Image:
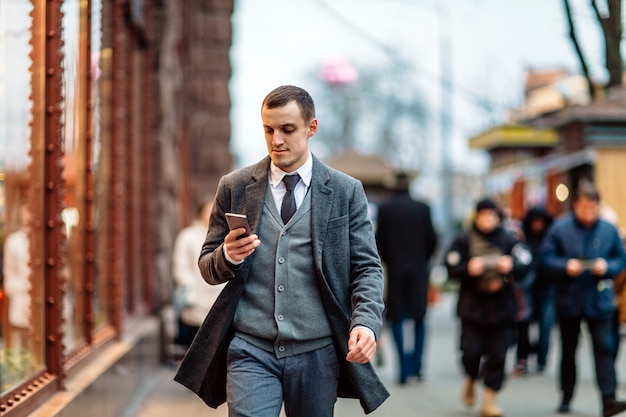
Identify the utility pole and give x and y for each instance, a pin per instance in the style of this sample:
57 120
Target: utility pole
445 117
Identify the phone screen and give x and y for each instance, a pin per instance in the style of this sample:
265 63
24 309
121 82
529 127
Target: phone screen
236 221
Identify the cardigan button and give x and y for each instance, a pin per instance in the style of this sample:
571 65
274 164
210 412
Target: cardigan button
281 288
281 260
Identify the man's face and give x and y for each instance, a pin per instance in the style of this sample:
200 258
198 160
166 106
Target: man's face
287 135
587 211
537 225
486 220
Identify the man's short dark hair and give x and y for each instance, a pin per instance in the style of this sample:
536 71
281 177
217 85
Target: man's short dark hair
587 189
283 95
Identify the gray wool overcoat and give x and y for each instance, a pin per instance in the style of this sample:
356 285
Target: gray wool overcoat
347 267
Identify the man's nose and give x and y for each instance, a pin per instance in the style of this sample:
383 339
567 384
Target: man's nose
277 138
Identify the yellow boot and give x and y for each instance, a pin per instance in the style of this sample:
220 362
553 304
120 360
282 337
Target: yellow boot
468 397
489 408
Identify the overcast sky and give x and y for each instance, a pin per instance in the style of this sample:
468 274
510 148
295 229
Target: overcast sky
491 43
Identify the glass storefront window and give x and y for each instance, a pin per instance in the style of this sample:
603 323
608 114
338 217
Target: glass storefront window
21 193
74 117
100 77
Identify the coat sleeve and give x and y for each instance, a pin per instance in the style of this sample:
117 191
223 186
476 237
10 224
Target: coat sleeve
457 257
214 266
617 258
522 259
366 275
550 257
431 234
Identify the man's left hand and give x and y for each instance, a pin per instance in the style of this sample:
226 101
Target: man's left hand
599 267
361 345
504 264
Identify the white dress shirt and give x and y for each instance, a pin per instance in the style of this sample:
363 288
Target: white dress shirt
277 185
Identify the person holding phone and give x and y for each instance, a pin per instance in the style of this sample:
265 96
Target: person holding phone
584 253
296 324
487 259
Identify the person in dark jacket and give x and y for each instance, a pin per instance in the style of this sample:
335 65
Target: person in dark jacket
585 253
486 259
406 241
538 289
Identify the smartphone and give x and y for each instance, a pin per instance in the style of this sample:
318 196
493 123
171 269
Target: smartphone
236 221
491 260
587 264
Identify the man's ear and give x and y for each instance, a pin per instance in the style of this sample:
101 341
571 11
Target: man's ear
312 127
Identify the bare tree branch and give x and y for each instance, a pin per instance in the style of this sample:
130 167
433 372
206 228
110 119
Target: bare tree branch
612 30
579 52
596 10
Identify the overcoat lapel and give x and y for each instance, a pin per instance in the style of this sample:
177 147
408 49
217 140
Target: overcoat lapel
321 202
255 193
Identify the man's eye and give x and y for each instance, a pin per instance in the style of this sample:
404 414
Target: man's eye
289 130
269 131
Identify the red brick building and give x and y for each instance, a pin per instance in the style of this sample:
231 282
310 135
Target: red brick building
114 123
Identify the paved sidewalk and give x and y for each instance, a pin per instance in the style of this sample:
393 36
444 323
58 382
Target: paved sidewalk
437 395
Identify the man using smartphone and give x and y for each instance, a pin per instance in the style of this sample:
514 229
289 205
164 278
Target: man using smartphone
297 322
585 253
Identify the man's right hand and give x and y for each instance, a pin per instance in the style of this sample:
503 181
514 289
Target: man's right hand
574 268
240 249
476 266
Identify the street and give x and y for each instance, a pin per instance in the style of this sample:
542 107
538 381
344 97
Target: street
437 394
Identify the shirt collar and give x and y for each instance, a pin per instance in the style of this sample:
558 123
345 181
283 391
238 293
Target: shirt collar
305 172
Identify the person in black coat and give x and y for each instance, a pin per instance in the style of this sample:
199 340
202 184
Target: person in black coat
487 260
406 241
538 288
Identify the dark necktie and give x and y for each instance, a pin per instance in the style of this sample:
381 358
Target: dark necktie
289 200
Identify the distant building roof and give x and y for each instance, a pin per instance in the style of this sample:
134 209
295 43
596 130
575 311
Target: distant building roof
505 136
369 169
611 108
536 79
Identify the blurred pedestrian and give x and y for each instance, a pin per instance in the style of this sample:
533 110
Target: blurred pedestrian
296 325
585 253
17 284
538 289
486 259
406 241
193 298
